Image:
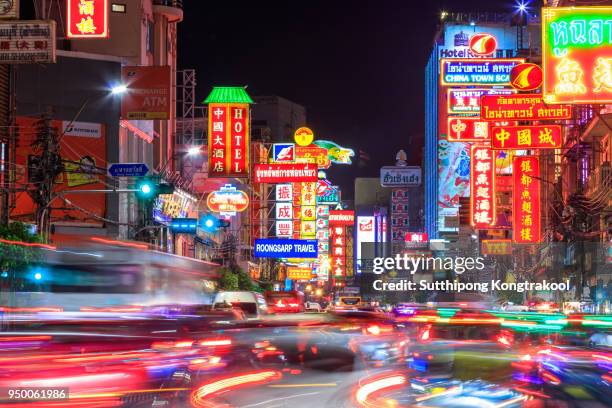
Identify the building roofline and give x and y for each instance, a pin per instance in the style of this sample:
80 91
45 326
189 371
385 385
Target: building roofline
91 56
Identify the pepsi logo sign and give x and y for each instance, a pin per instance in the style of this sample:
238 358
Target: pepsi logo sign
483 44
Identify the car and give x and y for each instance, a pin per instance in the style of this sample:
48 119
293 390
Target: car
312 307
253 304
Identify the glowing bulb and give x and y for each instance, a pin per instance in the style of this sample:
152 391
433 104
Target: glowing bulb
119 89
193 151
37 276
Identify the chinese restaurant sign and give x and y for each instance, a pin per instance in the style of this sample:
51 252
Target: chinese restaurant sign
467 100
577 54
27 42
482 187
227 200
467 130
521 107
526 200
526 137
87 19
496 247
337 236
477 71
228 140
283 173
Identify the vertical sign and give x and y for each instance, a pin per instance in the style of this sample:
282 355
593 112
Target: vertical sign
87 19
308 202
526 199
482 187
337 236
228 139
284 210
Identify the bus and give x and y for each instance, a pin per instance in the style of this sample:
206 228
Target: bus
285 302
106 278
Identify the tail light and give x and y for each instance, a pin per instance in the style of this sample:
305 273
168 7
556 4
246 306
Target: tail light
426 334
215 343
376 329
201 396
172 344
367 389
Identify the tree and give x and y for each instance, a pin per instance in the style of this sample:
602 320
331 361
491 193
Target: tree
228 280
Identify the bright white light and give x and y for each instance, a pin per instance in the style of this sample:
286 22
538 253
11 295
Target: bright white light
522 7
472 23
37 276
119 89
145 189
209 223
193 151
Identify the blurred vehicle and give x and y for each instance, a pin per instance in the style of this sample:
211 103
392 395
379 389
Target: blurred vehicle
511 307
285 302
406 309
99 276
253 304
313 307
601 340
346 302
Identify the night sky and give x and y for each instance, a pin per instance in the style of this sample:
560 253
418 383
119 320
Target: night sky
357 66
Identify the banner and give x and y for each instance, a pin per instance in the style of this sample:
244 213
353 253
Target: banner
482 186
526 200
526 137
228 139
87 19
148 93
284 173
27 42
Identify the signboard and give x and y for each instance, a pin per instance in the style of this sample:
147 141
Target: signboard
365 233
415 240
184 225
228 139
128 169
284 211
298 273
27 42
336 153
283 173
87 19
526 200
81 129
284 228
466 101
284 192
477 71
303 136
227 200
496 247
400 176
526 137
285 248
326 193
341 217
337 237
483 44
577 54
521 107
456 39
313 154
482 187
467 130
526 77
9 10
148 93
283 152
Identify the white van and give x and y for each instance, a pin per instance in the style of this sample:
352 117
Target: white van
253 304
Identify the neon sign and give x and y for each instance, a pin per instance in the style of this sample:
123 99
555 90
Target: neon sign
478 71
577 54
526 200
526 137
521 107
483 44
482 187
87 19
526 77
336 153
467 130
227 200
467 100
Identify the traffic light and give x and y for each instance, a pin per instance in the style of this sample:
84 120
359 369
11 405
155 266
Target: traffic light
148 189
210 223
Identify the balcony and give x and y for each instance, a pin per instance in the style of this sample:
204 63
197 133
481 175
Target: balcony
600 182
172 9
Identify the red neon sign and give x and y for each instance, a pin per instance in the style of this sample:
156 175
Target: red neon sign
228 140
337 237
283 173
526 137
483 44
526 77
526 200
467 130
341 217
521 107
87 18
482 187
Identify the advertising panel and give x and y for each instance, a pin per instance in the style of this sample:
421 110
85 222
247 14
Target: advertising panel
453 173
400 176
283 153
284 211
521 107
84 169
526 137
27 42
365 233
526 77
477 71
482 180
228 200
458 38
341 217
466 101
312 154
303 136
337 237
179 204
285 248
415 240
526 200
336 153
283 173
228 139
577 54
148 93
299 273
87 19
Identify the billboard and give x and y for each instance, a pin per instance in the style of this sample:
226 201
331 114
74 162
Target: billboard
526 137
453 173
477 71
283 173
526 200
87 19
337 238
284 192
482 186
283 153
9 10
577 54
148 93
312 154
521 107
84 169
228 139
365 233
285 248
27 42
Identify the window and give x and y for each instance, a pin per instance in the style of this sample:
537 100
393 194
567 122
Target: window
118 8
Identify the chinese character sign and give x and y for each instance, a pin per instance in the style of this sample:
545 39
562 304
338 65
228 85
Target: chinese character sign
228 140
337 237
526 137
482 187
526 199
463 129
577 54
87 19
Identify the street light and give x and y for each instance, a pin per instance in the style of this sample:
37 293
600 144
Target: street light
193 151
119 89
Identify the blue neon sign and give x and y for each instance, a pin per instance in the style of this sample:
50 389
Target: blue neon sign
477 71
285 248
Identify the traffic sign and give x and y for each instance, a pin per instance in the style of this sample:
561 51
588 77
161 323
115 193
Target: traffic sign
128 169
